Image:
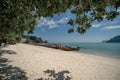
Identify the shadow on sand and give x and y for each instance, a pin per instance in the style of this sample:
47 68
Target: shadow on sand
52 75
8 72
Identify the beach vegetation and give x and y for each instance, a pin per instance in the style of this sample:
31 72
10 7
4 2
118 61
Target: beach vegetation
18 16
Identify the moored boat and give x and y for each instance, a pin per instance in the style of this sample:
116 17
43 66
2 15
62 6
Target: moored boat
66 48
45 45
55 46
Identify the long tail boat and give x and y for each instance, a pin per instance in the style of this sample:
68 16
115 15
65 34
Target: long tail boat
55 46
66 48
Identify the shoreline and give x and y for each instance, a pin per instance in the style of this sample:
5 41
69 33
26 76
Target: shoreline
98 54
39 62
101 49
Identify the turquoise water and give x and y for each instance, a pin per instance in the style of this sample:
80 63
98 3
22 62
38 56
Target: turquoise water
102 49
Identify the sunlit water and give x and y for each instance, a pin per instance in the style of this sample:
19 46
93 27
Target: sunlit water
102 49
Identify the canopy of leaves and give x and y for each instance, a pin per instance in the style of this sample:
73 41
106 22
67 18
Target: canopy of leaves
17 16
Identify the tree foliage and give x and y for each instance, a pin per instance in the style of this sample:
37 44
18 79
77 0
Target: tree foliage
17 16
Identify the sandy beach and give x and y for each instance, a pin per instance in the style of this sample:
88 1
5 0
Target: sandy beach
53 64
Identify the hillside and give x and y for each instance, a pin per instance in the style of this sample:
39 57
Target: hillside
33 39
115 39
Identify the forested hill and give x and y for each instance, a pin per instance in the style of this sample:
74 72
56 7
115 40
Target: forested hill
115 39
33 39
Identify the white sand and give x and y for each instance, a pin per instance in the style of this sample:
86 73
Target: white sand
34 60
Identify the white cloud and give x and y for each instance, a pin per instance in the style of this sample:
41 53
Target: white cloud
96 25
50 23
118 10
111 27
106 23
103 24
63 20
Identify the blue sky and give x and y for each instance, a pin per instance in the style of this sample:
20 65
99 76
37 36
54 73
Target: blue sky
55 29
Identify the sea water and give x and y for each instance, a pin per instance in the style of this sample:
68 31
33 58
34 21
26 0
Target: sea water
102 49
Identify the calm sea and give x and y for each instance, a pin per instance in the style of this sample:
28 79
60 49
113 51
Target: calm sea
102 49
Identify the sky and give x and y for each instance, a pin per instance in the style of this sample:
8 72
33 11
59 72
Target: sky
55 29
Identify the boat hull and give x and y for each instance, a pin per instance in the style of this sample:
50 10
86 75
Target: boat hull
68 48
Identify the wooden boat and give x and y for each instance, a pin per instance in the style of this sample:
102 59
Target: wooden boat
54 46
66 48
45 45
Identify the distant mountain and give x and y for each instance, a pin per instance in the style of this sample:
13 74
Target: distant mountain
115 39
